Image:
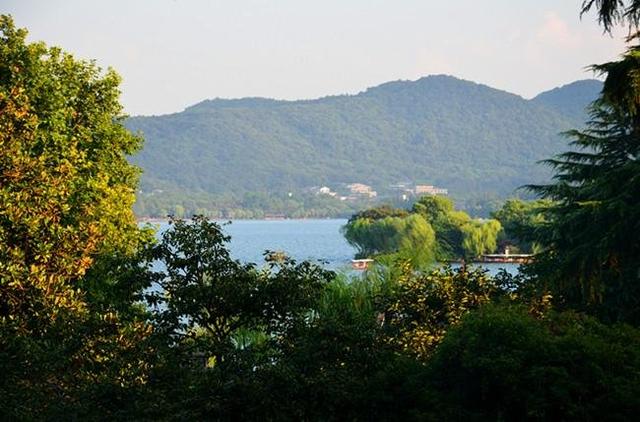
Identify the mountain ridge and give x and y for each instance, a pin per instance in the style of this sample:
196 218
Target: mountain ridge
461 135
241 101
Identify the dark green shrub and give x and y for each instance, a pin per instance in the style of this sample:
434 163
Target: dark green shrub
502 364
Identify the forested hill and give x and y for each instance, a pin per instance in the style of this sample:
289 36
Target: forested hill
469 138
570 99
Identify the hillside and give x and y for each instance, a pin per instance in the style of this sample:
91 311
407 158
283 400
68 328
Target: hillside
469 138
572 98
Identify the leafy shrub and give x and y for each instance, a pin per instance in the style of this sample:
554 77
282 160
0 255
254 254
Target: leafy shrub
500 363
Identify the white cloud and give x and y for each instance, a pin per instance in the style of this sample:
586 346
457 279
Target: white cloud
555 31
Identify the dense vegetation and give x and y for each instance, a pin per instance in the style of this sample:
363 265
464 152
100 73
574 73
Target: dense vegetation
431 230
99 322
479 142
591 227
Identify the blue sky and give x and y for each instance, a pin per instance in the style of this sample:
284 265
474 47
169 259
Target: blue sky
173 53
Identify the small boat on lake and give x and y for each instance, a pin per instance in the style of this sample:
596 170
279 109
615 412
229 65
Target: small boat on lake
361 264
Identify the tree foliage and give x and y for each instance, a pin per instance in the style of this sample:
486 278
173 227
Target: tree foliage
410 237
458 235
520 221
500 363
66 191
480 237
433 229
208 301
66 188
596 194
420 308
612 12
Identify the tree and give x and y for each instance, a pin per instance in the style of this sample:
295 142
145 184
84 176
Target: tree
208 301
222 325
66 191
66 188
519 220
418 309
446 222
378 213
612 12
480 237
591 226
409 237
500 363
592 253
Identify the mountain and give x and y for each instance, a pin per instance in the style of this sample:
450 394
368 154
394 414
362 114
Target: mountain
469 138
571 99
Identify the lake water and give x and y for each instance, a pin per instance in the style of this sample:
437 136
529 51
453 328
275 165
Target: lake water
313 240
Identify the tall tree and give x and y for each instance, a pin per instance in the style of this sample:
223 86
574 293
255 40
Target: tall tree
592 226
590 232
66 195
66 188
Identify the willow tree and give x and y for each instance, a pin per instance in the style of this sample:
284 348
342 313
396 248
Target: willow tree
480 237
410 237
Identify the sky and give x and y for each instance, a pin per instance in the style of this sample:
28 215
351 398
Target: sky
175 53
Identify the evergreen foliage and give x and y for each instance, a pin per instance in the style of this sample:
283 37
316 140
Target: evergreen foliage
590 228
612 12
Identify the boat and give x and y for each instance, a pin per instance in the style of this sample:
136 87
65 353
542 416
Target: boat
361 264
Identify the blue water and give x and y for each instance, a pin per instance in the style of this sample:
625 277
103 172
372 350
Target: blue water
313 240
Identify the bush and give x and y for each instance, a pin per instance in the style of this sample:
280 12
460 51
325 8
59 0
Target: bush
502 364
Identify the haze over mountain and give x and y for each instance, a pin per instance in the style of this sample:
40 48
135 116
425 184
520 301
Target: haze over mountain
470 138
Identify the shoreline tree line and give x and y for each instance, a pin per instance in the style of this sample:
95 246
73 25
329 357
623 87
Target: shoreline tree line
434 231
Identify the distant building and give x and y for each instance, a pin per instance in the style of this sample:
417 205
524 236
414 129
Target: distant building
361 190
429 190
325 190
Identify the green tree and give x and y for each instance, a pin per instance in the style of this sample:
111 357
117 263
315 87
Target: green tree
591 262
208 299
66 191
519 220
223 327
378 213
66 188
418 309
480 237
500 363
597 204
409 237
448 223
612 12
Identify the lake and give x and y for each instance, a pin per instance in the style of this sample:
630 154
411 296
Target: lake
313 240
